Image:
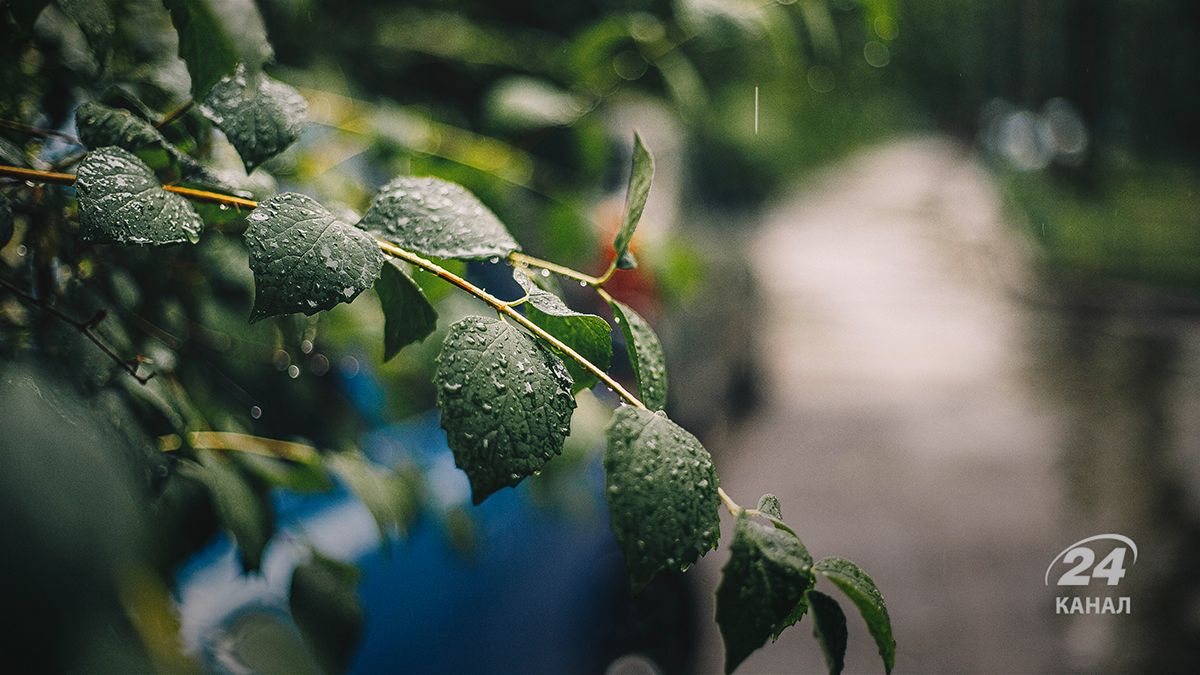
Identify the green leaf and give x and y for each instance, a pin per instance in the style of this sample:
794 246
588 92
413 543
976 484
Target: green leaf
587 334
662 493
6 220
100 126
244 510
762 588
260 116
304 259
204 44
640 177
505 400
390 497
120 200
646 355
768 504
861 589
324 603
829 628
408 316
437 218
295 476
95 19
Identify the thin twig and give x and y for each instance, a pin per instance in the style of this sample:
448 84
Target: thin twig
390 249
518 257
35 131
87 328
176 113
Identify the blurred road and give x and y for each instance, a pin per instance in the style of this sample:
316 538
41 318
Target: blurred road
912 422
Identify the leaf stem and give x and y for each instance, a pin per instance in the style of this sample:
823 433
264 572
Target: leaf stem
518 257
87 328
390 249
507 310
230 441
35 131
176 113
730 505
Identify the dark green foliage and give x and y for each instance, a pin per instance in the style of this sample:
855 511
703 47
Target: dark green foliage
390 496
505 400
640 178
121 201
100 126
260 116
646 355
244 507
437 218
829 629
305 259
862 591
662 493
204 44
408 316
6 220
325 606
587 334
95 19
762 587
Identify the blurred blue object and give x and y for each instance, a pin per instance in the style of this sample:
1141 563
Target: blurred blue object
537 595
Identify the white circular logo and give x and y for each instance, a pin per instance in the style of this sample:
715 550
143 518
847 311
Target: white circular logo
1082 560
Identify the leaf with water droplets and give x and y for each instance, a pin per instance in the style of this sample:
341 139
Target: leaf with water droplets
505 400
120 200
408 316
768 505
862 591
260 116
640 178
662 493
437 218
305 259
646 355
762 588
829 628
100 126
587 334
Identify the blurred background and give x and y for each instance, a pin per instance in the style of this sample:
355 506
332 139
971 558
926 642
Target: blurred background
928 271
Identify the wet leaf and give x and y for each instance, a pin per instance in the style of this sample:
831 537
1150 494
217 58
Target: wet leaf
768 504
862 591
662 493
100 126
762 588
324 602
640 178
390 496
305 259
437 218
408 316
646 355
260 116
505 400
829 628
244 509
587 334
120 200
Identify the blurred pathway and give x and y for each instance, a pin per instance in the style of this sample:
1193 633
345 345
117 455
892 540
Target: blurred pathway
899 429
